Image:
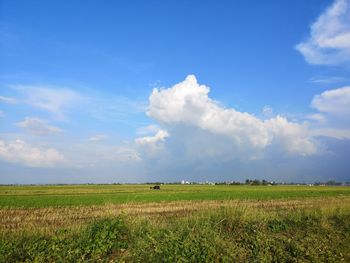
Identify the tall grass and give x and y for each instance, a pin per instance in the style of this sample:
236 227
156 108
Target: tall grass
239 232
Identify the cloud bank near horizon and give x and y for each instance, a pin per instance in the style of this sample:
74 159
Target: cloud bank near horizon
191 134
195 132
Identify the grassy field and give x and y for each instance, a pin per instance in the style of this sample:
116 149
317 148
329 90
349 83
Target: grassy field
79 195
179 223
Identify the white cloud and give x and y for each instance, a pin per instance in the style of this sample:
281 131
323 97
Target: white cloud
38 127
20 152
53 100
335 101
320 118
160 136
267 111
8 100
293 137
329 41
187 103
98 138
151 146
149 129
2 114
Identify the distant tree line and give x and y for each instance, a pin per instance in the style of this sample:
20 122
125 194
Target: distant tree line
247 182
331 182
258 182
228 183
265 182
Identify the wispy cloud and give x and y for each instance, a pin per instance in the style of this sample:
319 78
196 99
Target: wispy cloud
2 114
125 154
38 126
120 109
340 134
8 100
327 80
329 41
149 129
267 111
52 99
98 138
320 118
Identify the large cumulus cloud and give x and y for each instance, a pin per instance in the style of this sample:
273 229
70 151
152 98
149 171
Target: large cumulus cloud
187 104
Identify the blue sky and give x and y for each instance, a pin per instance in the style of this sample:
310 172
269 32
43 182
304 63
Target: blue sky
132 91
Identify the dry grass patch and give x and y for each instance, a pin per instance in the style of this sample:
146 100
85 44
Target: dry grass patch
49 219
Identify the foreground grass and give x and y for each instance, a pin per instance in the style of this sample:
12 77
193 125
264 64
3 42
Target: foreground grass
303 230
88 195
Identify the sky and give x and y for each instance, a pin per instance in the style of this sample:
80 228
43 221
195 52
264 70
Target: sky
144 91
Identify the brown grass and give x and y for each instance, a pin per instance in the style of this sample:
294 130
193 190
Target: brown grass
49 219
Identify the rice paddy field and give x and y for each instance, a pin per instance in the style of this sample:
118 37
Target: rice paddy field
178 223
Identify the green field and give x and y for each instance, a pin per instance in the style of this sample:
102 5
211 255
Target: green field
179 223
77 195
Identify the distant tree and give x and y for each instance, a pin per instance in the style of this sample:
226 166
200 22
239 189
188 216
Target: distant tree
256 182
333 182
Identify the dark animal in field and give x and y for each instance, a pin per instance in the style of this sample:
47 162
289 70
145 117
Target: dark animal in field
156 187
